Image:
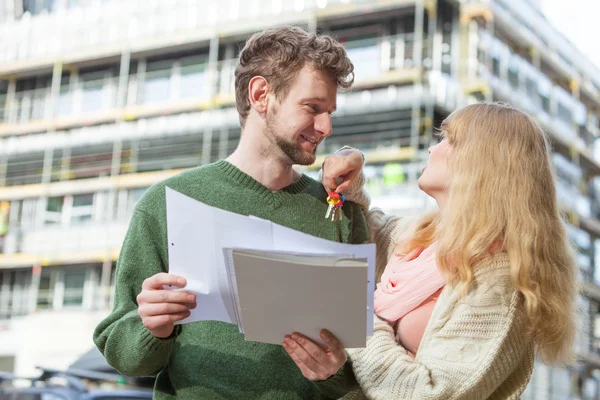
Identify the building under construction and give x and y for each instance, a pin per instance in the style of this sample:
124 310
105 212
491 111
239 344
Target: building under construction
100 99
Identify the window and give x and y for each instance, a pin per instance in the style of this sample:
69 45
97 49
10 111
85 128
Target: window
64 103
3 92
530 87
136 195
157 83
545 103
513 73
365 56
91 161
193 78
70 210
68 286
31 96
35 7
82 209
544 90
564 113
46 288
14 292
74 280
496 65
92 93
54 208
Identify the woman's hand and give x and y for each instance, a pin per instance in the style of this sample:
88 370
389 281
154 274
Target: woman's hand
316 363
340 169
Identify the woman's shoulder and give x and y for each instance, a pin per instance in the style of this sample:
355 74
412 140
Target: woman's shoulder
497 264
377 220
492 283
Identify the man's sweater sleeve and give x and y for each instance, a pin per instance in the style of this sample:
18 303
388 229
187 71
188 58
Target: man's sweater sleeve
121 337
473 348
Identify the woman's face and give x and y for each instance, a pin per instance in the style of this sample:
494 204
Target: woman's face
435 176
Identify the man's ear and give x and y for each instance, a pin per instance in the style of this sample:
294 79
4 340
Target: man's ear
258 91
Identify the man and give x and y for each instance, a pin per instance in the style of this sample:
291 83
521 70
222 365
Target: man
286 83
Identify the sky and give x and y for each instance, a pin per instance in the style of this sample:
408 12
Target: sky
579 21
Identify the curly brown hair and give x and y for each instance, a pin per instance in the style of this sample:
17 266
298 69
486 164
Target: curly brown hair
278 54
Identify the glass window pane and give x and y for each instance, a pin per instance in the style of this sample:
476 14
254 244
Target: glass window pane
513 73
45 290
564 113
92 92
37 6
55 204
83 200
64 102
157 83
82 209
364 54
193 78
74 281
54 208
80 219
3 92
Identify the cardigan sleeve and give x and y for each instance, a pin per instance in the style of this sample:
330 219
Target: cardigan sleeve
468 351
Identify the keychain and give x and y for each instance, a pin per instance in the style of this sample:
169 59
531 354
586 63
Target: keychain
335 201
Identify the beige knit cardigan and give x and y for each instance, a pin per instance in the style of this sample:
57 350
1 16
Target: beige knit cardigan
474 347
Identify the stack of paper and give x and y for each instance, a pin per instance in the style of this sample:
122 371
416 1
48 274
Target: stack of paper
249 272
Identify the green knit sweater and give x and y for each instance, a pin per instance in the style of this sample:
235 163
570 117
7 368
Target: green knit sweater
208 359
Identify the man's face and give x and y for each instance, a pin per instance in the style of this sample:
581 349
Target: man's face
301 121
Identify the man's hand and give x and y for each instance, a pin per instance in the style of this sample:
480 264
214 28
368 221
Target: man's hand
160 308
316 363
340 169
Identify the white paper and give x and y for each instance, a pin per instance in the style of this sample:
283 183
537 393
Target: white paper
198 234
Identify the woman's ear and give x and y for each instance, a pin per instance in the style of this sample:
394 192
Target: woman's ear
258 90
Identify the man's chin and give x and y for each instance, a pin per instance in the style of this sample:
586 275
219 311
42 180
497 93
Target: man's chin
305 159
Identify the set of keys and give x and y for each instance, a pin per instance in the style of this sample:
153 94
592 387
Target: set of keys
335 201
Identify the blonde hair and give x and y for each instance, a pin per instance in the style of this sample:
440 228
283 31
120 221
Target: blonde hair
502 192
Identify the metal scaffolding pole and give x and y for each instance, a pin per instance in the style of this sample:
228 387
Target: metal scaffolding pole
116 161
223 142
65 164
207 146
9 105
123 79
105 283
121 98
418 84
40 215
435 53
213 59
57 70
419 30
3 170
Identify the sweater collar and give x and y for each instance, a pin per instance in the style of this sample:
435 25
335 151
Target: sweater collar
244 179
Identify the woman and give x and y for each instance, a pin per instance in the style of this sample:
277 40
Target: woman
509 286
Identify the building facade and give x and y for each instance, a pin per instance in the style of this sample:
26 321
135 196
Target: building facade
99 99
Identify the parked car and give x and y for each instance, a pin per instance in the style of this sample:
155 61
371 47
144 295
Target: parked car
59 385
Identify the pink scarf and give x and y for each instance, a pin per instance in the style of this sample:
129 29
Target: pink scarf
407 282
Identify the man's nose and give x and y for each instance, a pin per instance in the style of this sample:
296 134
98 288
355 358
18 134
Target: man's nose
323 124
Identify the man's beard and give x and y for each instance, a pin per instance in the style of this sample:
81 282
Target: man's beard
290 148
